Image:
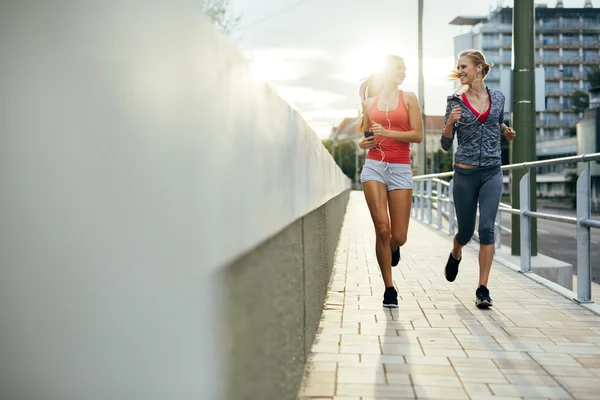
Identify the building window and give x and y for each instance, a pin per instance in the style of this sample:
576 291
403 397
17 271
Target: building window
552 71
552 88
570 71
550 40
550 119
590 40
552 103
591 55
550 56
569 40
570 55
569 87
590 21
570 22
567 103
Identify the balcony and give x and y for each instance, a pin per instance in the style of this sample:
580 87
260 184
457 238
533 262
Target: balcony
590 25
572 77
547 122
568 91
590 43
491 44
494 58
556 146
591 58
553 74
493 76
496 28
549 42
555 59
556 26
571 43
568 123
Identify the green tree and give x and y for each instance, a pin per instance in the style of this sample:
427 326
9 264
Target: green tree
445 160
581 101
219 12
344 155
593 76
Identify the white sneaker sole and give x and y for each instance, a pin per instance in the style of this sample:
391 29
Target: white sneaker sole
391 305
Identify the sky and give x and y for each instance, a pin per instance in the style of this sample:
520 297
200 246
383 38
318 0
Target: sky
315 52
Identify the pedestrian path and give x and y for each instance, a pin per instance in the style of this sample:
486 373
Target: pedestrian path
534 344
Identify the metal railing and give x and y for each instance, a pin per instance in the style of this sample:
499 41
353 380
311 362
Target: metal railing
425 199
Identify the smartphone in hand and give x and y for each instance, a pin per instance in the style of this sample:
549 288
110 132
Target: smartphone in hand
368 134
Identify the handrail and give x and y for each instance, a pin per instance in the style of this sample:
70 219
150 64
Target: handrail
425 198
527 164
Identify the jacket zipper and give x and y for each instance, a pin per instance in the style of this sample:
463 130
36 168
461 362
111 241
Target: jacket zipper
480 142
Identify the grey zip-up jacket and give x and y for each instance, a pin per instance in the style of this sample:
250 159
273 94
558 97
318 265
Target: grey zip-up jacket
478 144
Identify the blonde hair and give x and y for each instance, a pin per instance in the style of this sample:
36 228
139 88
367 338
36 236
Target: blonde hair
373 86
478 59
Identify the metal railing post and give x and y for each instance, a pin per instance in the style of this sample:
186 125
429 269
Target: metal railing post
525 223
451 208
440 190
584 267
429 183
421 200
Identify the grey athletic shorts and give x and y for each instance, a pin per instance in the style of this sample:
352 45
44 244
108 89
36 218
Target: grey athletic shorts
394 176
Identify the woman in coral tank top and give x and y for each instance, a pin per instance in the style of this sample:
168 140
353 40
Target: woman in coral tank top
391 121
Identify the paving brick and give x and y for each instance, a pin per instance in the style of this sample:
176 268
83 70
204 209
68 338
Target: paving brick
532 344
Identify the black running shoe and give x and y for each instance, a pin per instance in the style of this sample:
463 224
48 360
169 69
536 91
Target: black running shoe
451 269
395 257
483 299
390 297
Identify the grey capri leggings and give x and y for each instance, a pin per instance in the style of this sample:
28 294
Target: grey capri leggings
472 185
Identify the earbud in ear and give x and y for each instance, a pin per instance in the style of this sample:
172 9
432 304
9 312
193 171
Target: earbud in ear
478 69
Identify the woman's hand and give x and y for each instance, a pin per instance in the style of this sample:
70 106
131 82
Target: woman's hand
509 133
367 143
378 130
455 115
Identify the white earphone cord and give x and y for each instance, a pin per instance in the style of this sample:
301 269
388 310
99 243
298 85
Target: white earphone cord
482 108
387 106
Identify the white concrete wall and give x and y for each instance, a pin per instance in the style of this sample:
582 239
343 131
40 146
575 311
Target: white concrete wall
137 157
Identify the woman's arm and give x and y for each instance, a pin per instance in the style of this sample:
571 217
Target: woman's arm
508 132
415 135
450 118
366 143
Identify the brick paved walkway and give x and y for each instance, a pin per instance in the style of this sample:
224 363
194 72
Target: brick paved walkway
534 344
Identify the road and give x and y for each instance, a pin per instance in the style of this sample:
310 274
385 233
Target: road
558 240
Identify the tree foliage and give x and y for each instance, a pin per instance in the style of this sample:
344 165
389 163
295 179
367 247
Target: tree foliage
219 12
344 155
593 76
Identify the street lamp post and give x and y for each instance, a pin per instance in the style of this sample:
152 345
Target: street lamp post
422 165
523 89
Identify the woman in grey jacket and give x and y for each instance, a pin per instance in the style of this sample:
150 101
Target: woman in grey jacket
476 117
